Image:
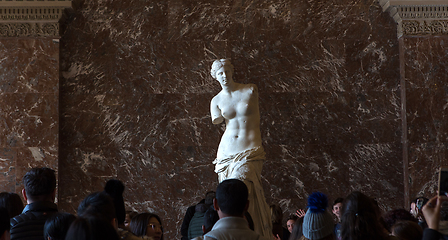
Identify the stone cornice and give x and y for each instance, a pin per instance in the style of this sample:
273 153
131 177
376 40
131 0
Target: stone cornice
418 17
31 18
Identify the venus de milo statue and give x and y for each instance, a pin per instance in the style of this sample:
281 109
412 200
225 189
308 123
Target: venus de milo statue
240 152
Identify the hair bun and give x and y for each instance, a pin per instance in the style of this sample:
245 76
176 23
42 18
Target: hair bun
114 187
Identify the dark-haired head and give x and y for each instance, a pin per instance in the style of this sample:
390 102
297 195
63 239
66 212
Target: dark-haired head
56 226
128 218
4 222
338 200
209 196
407 230
361 218
147 224
98 203
296 232
276 213
115 189
91 227
393 216
290 222
232 197
210 218
337 206
12 202
40 184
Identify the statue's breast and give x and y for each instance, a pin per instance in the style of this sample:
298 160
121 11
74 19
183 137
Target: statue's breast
228 111
240 104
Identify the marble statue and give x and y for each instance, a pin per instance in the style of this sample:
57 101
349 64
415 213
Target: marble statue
240 152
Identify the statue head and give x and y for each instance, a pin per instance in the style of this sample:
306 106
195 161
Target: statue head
218 64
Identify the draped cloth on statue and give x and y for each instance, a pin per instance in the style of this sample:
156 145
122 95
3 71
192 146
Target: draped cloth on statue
246 166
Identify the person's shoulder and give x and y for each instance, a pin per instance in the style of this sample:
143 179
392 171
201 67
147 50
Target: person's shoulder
391 237
198 238
34 216
211 235
429 234
126 235
24 217
31 223
208 238
18 219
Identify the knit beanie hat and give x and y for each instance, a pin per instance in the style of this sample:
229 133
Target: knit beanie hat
318 222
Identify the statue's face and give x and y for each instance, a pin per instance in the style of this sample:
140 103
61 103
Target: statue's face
224 75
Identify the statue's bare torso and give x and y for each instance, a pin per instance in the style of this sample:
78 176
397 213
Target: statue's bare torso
239 109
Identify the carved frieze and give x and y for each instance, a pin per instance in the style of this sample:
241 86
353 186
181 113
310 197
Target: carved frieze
425 28
417 17
38 18
29 29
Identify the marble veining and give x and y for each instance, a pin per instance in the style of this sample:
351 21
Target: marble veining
126 94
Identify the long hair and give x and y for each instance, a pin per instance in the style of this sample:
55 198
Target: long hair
407 230
98 203
12 202
360 219
91 228
4 221
56 226
139 223
115 189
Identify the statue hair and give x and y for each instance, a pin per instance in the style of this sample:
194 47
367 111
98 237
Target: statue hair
217 64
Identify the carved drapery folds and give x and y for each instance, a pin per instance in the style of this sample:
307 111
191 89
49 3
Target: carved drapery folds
35 18
418 17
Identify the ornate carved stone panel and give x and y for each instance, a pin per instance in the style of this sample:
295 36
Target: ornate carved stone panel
418 17
35 18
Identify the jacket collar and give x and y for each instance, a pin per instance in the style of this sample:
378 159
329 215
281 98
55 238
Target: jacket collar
40 206
231 222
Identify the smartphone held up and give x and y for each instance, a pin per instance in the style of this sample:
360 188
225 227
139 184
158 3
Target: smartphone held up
443 181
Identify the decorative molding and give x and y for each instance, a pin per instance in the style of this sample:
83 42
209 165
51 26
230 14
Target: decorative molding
418 17
31 18
425 28
29 29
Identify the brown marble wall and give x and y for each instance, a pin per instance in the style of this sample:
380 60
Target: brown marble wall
29 109
135 92
426 70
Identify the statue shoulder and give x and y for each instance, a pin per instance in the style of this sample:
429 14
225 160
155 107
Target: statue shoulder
252 88
216 99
